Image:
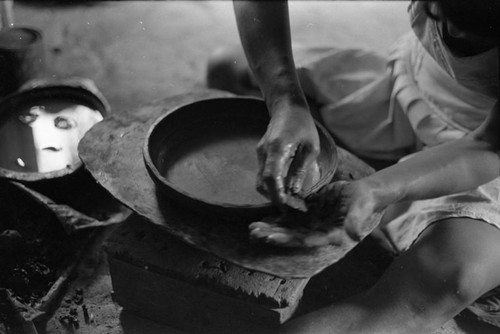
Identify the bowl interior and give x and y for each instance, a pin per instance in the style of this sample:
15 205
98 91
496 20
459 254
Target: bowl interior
206 151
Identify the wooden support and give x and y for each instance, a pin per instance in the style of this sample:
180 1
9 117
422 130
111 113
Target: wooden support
159 277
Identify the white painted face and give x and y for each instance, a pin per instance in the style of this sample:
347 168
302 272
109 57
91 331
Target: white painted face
45 137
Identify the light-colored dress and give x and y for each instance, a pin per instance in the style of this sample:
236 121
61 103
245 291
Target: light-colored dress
420 97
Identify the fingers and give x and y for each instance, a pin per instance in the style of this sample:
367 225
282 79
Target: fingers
284 237
275 235
338 214
261 230
261 157
274 162
304 159
354 230
335 236
283 171
357 228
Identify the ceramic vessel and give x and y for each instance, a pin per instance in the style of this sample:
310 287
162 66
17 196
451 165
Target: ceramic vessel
203 155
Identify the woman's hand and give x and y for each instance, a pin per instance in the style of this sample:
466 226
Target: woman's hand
341 213
286 152
291 142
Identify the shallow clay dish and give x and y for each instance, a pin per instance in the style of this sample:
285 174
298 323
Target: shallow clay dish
203 155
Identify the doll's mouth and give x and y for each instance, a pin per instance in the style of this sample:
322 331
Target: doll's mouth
52 149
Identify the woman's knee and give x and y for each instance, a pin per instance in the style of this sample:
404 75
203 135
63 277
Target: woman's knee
458 259
445 277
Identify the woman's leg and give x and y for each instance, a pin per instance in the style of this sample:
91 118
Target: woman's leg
452 263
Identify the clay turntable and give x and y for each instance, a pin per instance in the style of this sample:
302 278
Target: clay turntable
184 256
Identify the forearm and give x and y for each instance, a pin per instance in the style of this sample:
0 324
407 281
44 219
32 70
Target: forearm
265 36
449 168
446 169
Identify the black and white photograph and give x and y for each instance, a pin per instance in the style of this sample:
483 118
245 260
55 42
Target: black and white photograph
249 167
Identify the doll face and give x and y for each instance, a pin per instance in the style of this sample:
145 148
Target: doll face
44 137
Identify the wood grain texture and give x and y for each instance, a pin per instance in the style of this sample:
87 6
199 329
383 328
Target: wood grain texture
189 307
142 245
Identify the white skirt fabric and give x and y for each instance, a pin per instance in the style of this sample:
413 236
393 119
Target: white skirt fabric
388 107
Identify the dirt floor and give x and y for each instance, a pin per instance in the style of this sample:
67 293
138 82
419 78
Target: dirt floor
137 52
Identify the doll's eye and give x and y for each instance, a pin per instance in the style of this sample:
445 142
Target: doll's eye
64 123
31 116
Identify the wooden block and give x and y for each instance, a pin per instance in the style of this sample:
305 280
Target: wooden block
162 278
189 307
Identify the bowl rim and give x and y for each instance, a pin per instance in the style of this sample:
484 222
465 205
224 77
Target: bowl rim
157 177
81 88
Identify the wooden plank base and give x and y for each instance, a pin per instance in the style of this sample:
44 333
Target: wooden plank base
161 278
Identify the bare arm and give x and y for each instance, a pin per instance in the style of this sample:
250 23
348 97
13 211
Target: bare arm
291 142
446 169
353 209
449 168
265 36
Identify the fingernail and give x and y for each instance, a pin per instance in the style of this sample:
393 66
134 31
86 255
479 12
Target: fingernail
279 238
255 225
315 241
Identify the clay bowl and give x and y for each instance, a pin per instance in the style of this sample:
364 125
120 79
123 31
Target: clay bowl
41 125
203 155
